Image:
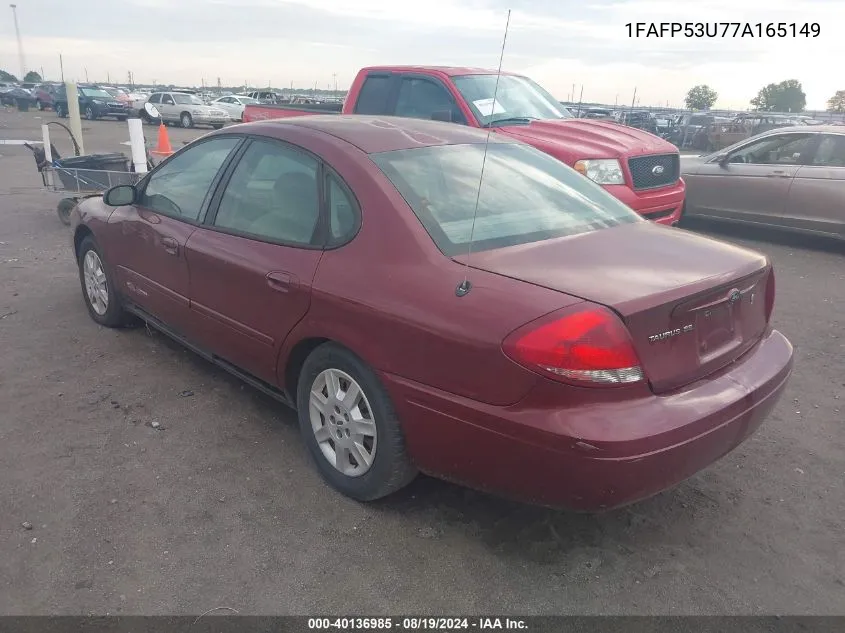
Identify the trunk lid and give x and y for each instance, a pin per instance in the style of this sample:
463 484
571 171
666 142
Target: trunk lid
691 304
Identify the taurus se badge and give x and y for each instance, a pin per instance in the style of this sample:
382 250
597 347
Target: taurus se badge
654 338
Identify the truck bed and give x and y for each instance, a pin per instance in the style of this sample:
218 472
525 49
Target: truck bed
263 112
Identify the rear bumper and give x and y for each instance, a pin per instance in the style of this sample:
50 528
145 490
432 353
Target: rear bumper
662 205
585 450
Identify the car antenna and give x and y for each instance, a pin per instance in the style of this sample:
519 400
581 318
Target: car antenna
465 286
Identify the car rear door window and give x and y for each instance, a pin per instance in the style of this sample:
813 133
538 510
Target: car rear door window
272 195
831 151
343 212
421 98
372 99
179 187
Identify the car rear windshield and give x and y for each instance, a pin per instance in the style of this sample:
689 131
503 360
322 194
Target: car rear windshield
187 99
525 195
95 93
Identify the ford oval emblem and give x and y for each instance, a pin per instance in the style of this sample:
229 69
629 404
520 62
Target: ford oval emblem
657 170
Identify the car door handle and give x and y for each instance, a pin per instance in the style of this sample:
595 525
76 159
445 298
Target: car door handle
171 246
778 173
281 281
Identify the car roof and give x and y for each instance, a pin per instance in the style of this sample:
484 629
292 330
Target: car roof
373 134
452 71
808 129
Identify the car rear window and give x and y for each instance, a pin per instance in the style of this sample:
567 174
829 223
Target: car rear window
525 195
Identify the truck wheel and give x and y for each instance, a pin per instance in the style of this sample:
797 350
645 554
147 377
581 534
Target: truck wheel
90 114
187 120
60 111
39 105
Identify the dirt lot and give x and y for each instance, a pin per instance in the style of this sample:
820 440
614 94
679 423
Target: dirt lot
219 507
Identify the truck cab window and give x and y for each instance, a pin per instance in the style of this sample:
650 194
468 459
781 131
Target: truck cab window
373 96
422 98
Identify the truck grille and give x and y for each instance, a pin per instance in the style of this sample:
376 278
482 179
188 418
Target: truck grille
648 172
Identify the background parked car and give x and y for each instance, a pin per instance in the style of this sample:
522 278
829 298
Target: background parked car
233 105
45 95
187 110
791 178
94 103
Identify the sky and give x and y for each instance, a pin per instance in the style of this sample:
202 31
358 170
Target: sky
559 43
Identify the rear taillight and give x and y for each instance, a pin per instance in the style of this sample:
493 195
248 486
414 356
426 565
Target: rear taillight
770 294
589 346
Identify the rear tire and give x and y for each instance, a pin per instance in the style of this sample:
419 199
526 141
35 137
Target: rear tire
60 111
90 114
98 289
187 120
39 105
370 416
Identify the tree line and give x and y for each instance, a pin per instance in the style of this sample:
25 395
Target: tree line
786 96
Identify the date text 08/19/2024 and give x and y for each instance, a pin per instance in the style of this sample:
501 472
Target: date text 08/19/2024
417 623
724 29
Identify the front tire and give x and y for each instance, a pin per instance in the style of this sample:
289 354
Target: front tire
64 209
187 120
39 105
90 114
349 426
98 289
60 111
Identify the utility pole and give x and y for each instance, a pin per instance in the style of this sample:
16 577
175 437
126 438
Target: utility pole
21 59
42 72
86 75
108 77
61 67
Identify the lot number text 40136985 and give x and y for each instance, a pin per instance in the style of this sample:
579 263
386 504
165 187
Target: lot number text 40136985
724 29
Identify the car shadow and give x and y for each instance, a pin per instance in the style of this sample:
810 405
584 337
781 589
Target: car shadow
513 530
758 234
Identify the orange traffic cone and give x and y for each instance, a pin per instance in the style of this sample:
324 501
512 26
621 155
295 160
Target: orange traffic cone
163 148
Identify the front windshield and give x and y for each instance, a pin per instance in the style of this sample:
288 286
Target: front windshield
95 93
526 195
187 99
516 98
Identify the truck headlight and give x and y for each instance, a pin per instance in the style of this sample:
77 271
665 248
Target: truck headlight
603 171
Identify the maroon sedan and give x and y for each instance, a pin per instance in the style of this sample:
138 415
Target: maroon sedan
535 338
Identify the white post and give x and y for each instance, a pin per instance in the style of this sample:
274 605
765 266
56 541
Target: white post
48 151
136 141
73 112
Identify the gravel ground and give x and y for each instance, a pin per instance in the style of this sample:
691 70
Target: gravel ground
219 507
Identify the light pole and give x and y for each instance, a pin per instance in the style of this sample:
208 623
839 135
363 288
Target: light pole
20 42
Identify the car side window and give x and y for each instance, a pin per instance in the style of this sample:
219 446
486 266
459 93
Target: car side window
831 151
272 194
167 100
343 211
179 187
421 98
787 149
372 99
156 98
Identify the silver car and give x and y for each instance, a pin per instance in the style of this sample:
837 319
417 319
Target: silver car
791 178
188 110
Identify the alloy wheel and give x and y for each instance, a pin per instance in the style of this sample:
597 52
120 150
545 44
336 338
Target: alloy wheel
342 422
96 286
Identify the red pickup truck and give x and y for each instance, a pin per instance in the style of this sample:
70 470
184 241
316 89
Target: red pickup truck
640 169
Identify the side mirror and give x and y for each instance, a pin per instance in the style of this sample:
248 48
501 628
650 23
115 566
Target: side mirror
120 196
442 115
723 159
